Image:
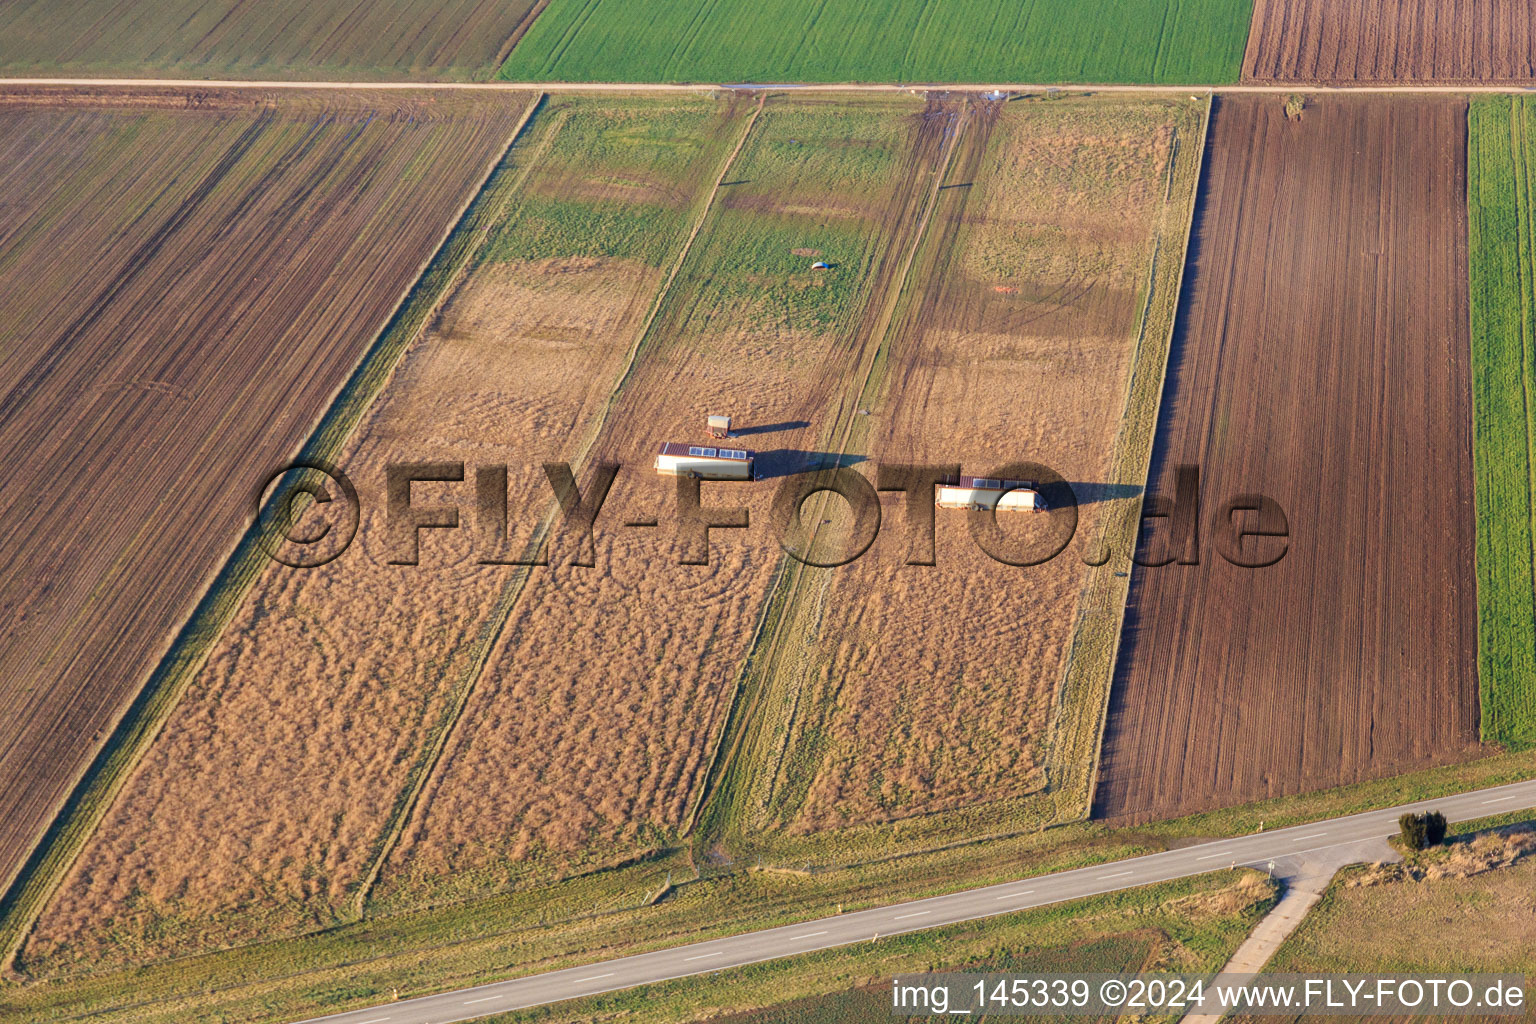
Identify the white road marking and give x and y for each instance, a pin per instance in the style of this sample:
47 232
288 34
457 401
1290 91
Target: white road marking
1314 835
1501 800
594 977
903 917
1118 874
705 956
1013 895
472 1002
372 1020
1210 855
807 935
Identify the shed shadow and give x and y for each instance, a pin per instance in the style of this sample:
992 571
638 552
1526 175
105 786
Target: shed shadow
770 428
1091 493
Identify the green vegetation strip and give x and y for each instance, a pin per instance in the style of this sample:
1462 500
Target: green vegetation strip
1501 198
1163 41
137 729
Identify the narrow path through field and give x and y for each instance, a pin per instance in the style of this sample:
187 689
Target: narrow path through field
876 87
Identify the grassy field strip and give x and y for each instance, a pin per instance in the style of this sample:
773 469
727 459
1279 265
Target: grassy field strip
1501 198
644 334
806 603
743 723
45 868
1077 728
494 624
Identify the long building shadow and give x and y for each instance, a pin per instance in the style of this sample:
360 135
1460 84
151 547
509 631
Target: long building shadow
1091 493
770 428
780 462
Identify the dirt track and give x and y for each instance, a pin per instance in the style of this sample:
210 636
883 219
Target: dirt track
1322 359
1391 41
1242 88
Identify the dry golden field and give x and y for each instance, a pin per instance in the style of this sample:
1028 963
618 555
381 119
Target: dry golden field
588 736
895 690
278 779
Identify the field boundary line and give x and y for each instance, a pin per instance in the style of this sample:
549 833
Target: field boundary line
1101 716
137 727
504 52
1506 88
1146 462
501 614
780 606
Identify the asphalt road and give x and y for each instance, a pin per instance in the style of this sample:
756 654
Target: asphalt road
1257 850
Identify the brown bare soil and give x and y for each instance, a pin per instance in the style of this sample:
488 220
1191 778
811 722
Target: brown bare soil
589 734
277 39
182 293
1322 359
267 798
904 690
1391 41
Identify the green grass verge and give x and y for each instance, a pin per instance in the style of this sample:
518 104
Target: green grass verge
1191 925
1192 922
600 915
1173 41
1501 197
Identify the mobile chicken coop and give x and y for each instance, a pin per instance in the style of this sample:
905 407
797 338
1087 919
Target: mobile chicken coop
979 492
704 462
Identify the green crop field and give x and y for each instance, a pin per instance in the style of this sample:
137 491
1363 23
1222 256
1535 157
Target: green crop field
885 41
1501 154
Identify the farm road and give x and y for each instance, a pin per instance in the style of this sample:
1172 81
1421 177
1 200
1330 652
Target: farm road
1282 851
571 87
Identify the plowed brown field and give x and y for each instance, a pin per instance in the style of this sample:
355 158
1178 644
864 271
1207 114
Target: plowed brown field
1391 41
588 736
295 39
182 292
1322 359
275 784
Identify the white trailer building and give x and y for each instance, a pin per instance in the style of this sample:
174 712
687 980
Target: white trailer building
979 492
704 462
